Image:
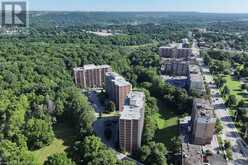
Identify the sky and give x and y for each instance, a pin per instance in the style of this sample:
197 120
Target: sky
216 6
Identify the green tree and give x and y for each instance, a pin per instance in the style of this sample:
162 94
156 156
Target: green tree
92 151
232 101
110 107
59 159
226 91
218 126
39 133
153 153
176 144
11 154
126 162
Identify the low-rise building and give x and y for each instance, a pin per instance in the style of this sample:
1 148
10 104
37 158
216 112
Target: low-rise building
131 122
91 76
117 88
203 120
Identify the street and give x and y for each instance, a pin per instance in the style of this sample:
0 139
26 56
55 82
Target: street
229 133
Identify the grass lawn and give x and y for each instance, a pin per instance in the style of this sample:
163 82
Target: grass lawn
235 87
64 138
167 122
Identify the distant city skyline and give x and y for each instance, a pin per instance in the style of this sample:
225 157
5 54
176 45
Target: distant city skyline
210 6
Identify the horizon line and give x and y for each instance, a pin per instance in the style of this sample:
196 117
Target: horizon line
138 11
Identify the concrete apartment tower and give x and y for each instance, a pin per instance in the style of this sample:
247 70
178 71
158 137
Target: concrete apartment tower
91 76
196 82
117 88
203 120
131 122
175 60
174 52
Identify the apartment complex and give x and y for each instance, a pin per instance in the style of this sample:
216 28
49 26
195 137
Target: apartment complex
196 82
193 154
131 122
203 121
91 76
173 52
117 88
176 67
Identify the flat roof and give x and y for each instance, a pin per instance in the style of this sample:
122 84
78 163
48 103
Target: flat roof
134 106
194 69
204 108
118 79
91 66
175 47
192 154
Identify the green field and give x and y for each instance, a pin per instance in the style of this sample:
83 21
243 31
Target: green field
64 138
235 87
167 122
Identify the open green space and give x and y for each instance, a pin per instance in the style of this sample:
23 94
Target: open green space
167 122
64 138
235 87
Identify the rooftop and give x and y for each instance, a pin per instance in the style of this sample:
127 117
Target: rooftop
117 79
177 46
194 69
134 106
204 108
192 154
91 66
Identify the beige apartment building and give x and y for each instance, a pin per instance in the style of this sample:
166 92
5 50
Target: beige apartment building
131 122
203 120
175 67
173 52
91 76
117 88
196 82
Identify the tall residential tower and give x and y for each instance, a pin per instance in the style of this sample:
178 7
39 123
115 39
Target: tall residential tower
131 122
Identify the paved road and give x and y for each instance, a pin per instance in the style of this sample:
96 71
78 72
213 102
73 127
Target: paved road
230 133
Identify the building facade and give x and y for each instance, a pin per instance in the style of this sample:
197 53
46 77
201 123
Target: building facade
203 120
175 67
196 82
131 122
172 52
117 88
91 76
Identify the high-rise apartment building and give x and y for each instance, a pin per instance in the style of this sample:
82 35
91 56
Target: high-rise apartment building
175 67
117 88
203 120
91 76
196 82
172 52
131 122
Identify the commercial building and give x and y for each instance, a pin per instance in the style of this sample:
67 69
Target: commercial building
117 88
196 82
131 122
173 52
203 121
91 76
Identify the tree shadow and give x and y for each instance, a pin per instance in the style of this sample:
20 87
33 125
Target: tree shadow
165 111
165 135
65 132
